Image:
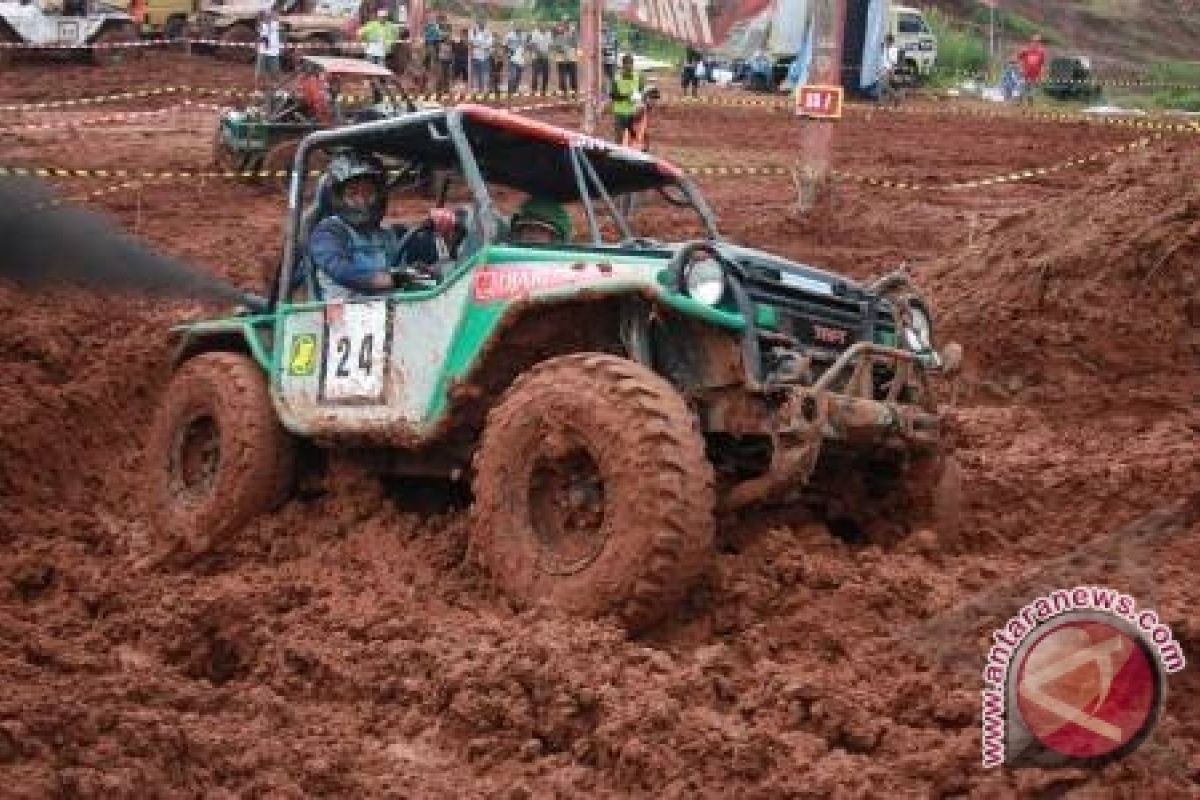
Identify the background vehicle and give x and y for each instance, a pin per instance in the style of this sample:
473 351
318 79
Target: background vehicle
325 91
915 39
82 22
608 396
235 25
1071 77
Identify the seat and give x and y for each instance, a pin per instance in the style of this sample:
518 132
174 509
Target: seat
303 274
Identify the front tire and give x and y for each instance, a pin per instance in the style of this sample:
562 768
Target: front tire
115 46
593 494
216 455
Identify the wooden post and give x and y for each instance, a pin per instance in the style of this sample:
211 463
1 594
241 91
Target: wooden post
816 135
590 60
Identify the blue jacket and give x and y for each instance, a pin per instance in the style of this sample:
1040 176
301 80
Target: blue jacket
345 259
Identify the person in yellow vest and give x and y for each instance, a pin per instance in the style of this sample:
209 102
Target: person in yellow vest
626 96
380 34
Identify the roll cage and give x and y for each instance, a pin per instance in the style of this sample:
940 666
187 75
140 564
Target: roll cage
514 151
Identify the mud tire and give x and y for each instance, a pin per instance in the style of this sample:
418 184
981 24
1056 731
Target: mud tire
234 42
111 56
223 159
254 461
655 531
279 160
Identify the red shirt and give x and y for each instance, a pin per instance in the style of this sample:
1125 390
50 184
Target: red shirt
1033 60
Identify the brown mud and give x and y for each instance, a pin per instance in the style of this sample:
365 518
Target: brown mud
344 646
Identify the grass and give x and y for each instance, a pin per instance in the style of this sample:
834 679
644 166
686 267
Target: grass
960 51
1184 73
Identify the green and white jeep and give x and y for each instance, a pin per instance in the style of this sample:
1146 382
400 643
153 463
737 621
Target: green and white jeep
609 399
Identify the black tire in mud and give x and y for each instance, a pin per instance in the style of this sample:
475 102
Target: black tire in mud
238 44
277 163
116 45
593 493
216 455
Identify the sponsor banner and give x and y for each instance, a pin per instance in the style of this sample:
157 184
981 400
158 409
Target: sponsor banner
507 282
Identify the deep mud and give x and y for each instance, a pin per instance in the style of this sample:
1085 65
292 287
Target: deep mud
345 647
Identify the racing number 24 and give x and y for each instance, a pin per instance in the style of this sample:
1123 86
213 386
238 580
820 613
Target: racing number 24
345 347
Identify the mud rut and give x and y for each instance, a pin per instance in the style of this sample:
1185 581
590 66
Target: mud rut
344 647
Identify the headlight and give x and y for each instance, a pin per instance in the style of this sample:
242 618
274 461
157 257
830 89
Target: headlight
919 333
706 281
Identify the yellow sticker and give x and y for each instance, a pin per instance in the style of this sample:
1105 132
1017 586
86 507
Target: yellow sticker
303 360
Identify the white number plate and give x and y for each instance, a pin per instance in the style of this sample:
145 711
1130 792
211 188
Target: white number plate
355 352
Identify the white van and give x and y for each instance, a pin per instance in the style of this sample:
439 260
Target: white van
915 38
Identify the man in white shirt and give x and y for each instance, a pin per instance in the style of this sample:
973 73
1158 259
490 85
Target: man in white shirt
269 45
516 43
481 48
539 43
887 71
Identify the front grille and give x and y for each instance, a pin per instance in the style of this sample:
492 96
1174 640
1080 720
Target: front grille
830 322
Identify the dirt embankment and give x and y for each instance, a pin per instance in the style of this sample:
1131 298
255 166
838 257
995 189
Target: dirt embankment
345 646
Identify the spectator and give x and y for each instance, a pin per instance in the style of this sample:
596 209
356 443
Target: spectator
566 52
690 78
540 42
1032 58
445 62
887 71
462 53
380 35
516 44
496 61
626 96
1010 81
433 37
268 45
481 50
608 41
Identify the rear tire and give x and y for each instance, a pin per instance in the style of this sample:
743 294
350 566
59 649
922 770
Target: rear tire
593 494
278 161
237 44
216 455
108 56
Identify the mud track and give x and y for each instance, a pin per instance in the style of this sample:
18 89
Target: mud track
343 647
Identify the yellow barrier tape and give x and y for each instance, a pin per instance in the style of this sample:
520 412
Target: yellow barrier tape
141 94
720 171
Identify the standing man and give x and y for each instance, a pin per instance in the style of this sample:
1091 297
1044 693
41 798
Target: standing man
516 45
380 35
887 72
445 58
432 37
1032 58
540 45
626 95
609 50
481 50
566 52
690 78
268 45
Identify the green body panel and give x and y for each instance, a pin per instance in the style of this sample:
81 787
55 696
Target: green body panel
472 313
255 330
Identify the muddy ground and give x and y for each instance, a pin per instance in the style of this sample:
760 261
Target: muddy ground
343 647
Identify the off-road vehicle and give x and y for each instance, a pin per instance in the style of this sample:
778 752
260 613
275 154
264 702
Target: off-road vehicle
71 24
325 91
607 397
234 25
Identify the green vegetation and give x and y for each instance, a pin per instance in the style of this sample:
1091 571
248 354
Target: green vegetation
1012 27
1187 75
961 51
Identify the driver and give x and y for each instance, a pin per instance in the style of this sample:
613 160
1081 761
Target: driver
350 250
541 220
